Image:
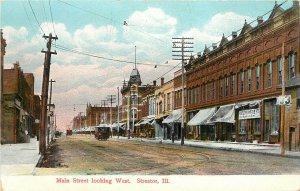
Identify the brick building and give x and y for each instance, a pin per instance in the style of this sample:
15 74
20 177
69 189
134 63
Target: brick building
18 106
100 115
132 101
247 78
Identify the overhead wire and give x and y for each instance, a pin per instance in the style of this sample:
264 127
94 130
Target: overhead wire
52 18
100 57
35 17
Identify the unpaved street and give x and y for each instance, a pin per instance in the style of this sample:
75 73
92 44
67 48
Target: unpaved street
84 155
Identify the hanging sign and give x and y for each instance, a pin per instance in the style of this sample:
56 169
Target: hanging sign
249 114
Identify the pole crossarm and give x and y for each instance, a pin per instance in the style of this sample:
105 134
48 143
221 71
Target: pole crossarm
45 88
181 43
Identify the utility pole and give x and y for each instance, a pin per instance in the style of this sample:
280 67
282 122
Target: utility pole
179 46
282 109
45 87
111 99
2 53
118 121
48 128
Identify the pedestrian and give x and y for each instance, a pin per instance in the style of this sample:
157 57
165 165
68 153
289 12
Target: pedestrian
173 136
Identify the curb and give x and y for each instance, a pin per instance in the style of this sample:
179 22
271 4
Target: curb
207 147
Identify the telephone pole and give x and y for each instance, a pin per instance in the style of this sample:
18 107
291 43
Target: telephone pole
111 99
45 86
180 46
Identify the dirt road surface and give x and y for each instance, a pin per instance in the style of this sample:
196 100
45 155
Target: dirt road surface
84 155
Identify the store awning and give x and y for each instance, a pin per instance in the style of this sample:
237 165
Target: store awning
250 104
202 117
225 114
139 123
174 117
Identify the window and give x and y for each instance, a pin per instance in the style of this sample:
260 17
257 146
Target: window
249 79
242 127
242 78
168 101
291 65
232 91
226 85
269 70
213 89
257 76
279 70
197 94
221 87
257 126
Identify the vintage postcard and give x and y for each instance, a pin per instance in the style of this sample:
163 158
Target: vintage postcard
150 95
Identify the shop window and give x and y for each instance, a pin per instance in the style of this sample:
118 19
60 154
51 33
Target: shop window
257 126
291 65
242 127
279 70
275 118
269 73
257 76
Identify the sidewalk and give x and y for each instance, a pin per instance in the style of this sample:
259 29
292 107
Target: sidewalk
19 159
261 148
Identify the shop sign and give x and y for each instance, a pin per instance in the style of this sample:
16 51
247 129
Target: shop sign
249 114
284 100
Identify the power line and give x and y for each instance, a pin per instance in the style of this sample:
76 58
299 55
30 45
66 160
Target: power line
52 18
35 16
100 57
110 19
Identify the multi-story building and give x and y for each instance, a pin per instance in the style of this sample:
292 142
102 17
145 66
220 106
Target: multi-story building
173 122
164 97
242 77
132 102
96 115
18 106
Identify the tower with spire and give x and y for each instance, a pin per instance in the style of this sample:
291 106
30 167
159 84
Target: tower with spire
135 77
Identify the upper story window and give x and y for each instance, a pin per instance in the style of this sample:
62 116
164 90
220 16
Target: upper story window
168 101
221 87
226 85
291 60
233 79
279 70
213 89
249 79
242 79
257 76
269 70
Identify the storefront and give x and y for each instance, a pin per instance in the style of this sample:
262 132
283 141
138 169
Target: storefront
224 120
271 121
173 122
249 121
204 130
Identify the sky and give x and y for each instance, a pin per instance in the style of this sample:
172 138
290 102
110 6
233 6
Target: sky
96 27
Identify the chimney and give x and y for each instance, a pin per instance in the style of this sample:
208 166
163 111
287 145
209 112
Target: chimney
16 65
214 45
154 82
234 34
162 80
260 20
296 3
